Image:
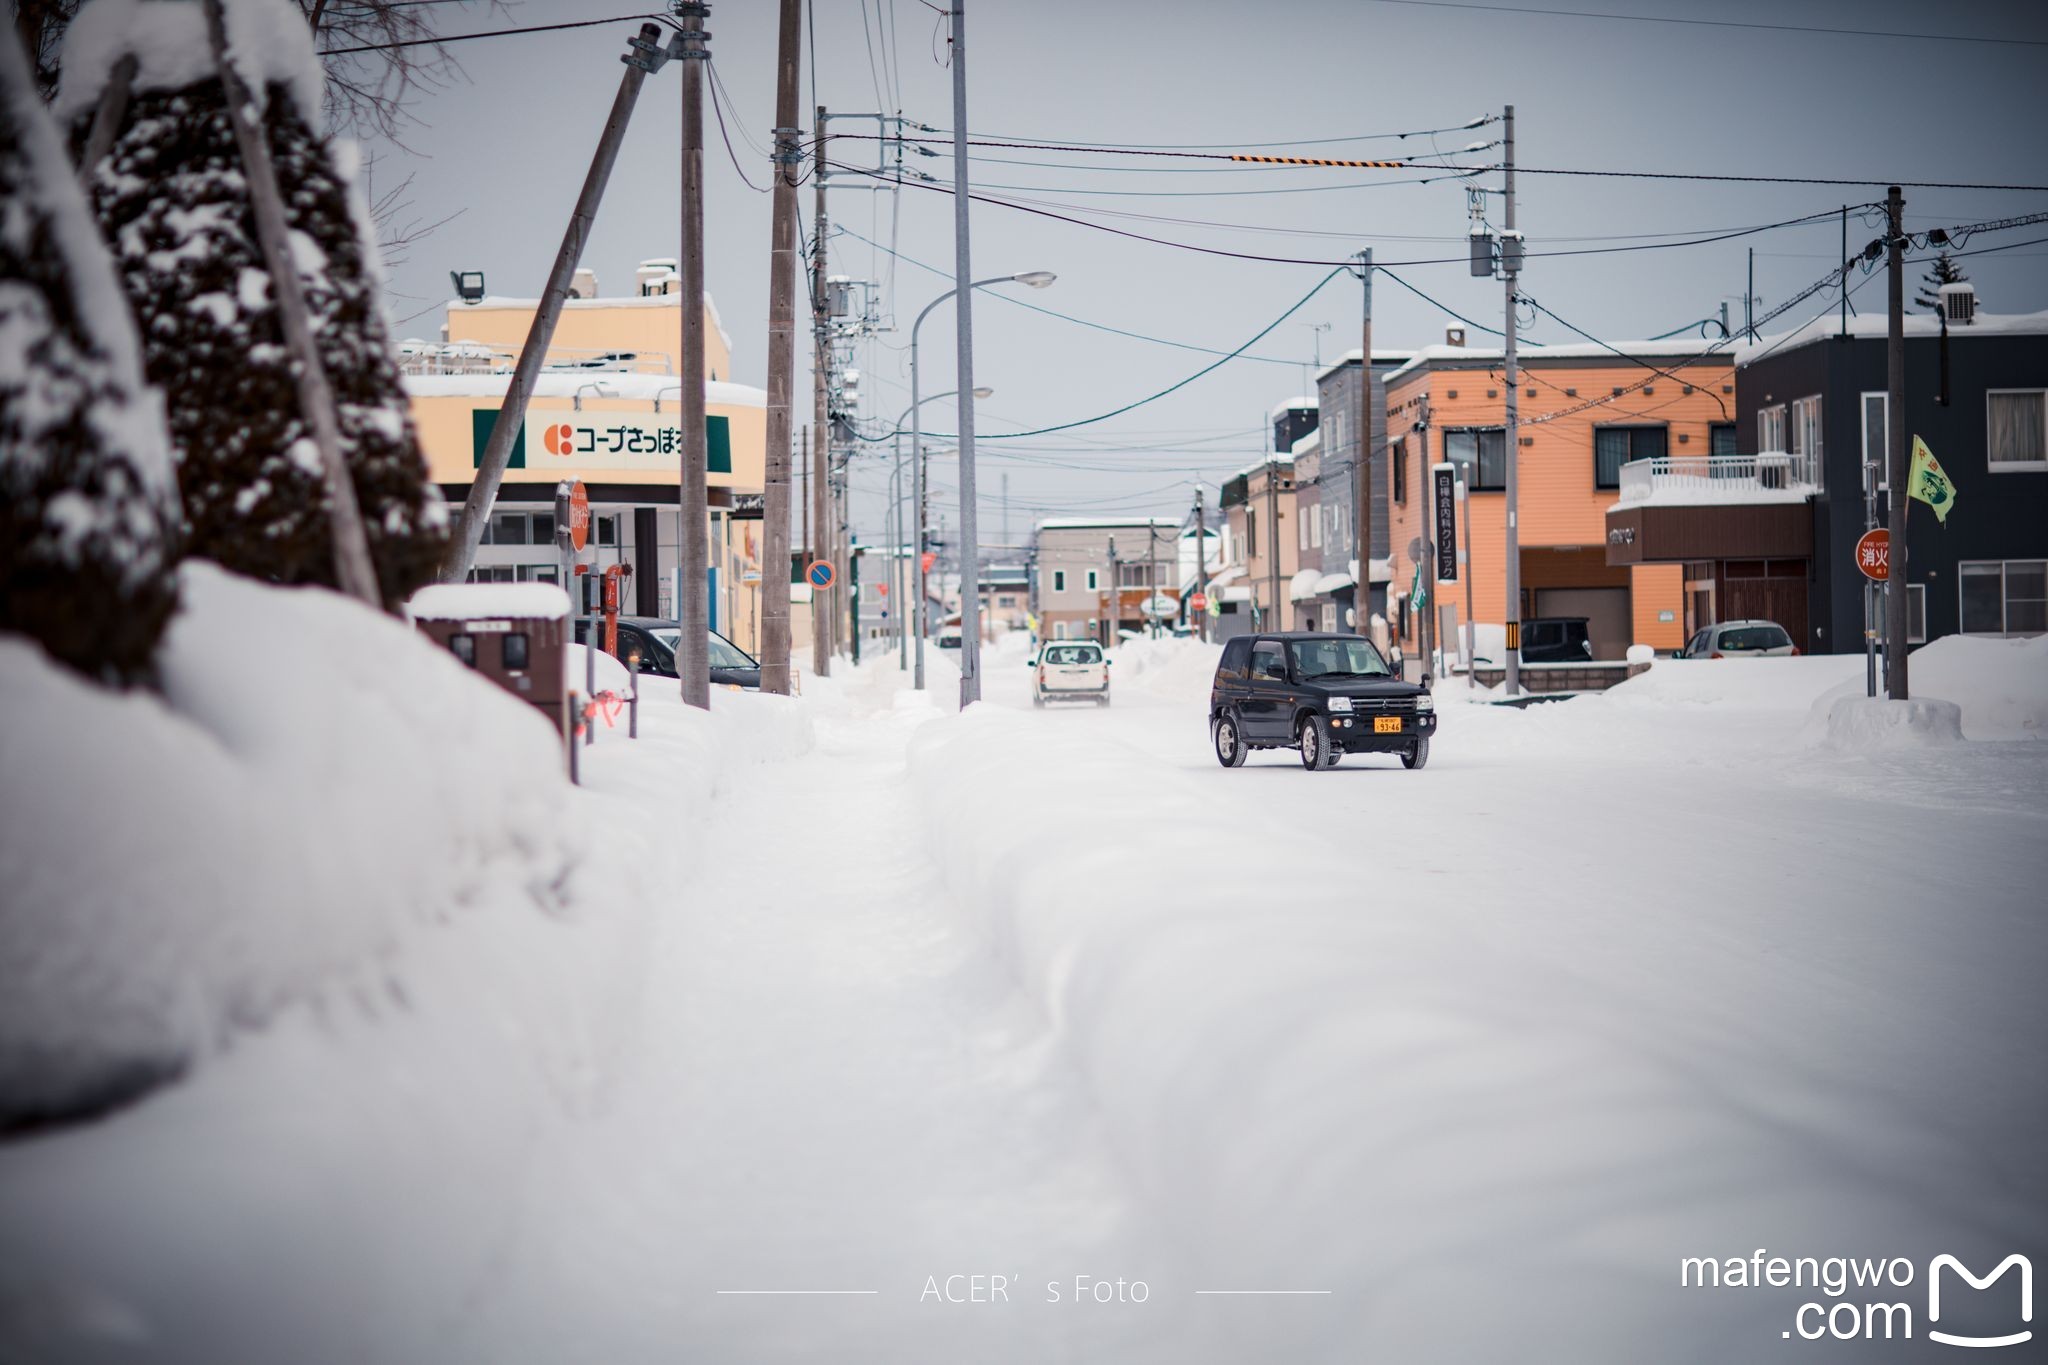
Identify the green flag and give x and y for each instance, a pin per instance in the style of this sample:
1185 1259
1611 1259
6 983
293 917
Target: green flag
1929 482
1419 594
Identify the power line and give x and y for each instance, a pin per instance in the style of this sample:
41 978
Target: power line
1046 143
1715 23
1771 179
493 33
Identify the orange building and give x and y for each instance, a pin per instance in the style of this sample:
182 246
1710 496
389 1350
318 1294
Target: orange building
1584 412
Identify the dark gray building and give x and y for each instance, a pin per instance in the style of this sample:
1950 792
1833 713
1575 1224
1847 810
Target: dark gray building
1337 394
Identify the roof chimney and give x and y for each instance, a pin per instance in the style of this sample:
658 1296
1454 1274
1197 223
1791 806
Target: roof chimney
1959 303
584 284
1454 336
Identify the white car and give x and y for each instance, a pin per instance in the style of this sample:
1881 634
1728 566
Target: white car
1740 640
1070 670
949 637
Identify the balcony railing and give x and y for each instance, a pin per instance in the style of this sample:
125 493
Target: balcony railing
1770 477
476 357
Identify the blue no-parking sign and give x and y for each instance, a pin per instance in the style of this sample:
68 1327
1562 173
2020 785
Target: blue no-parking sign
820 573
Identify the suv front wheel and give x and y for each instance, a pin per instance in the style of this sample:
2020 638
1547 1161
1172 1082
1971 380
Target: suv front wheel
1314 742
1230 748
1417 756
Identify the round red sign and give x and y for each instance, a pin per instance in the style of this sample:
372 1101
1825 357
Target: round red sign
579 516
1874 554
1199 602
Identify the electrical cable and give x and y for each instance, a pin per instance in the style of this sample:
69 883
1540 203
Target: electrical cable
1715 23
494 33
718 108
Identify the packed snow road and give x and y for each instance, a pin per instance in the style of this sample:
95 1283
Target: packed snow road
922 1037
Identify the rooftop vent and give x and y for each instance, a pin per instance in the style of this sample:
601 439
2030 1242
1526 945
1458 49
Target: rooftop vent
1454 336
1959 303
584 284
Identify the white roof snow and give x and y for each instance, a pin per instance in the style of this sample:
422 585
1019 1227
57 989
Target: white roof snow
1105 523
1303 585
1292 404
1873 325
590 383
473 601
456 307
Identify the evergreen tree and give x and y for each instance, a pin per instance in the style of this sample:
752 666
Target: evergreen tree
1943 271
87 500
171 198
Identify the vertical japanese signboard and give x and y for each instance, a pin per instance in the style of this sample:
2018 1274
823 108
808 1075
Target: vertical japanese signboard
1444 503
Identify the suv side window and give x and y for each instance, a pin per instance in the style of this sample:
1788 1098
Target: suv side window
1236 658
1269 663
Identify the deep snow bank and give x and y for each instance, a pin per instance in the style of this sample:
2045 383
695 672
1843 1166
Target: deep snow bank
2001 686
315 781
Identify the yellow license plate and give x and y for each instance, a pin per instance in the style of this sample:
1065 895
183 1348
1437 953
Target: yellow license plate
1386 725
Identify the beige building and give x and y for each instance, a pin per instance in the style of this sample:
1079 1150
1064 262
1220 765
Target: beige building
1095 575
606 412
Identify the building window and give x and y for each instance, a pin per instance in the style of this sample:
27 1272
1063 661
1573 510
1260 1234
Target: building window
2004 597
1876 439
1136 574
1301 532
1059 580
1806 443
1315 531
1721 438
1251 533
2018 429
1094 582
1614 447
1481 457
1770 430
1059 630
1399 451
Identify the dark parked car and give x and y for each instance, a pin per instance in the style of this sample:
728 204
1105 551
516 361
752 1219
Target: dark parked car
1322 695
1556 640
655 641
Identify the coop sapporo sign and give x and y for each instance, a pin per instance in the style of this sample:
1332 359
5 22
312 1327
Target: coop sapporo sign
592 442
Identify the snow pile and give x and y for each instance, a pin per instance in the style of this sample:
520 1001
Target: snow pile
466 601
1787 684
1641 655
2001 685
580 661
269 40
316 781
1171 669
1861 723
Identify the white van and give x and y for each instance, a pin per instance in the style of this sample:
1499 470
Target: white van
1070 670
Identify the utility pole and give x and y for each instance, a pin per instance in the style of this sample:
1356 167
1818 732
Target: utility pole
1749 299
353 571
1151 578
1361 463
963 303
1895 444
1279 621
1110 614
803 474
781 360
1471 627
821 423
1202 565
1511 553
693 613
646 56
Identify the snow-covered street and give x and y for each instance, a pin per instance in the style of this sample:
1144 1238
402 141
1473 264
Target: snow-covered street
1532 1024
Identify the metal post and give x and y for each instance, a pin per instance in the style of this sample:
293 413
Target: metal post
511 420
821 370
693 611
782 249
1471 629
1110 612
353 571
963 311
1151 579
1361 461
633 707
1511 551
918 509
1201 566
1895 440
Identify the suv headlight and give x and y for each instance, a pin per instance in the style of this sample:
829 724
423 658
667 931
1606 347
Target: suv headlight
1340 704
1425 702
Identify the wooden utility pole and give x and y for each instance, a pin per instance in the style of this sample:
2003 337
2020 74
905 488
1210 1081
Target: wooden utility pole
821 423
1897 501
1151 579
1361 464
646 56
781 361
1201 566
1511 551
353 570
693 611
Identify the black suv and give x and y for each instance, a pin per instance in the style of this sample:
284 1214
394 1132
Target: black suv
1322 695
654 640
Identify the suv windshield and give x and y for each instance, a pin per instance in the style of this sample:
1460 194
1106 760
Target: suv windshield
1338 659
1073 654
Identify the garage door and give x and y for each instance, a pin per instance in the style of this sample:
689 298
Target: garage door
1605 610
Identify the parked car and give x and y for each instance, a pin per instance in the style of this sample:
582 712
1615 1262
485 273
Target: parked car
1322 695
1740 640
1071 670
949 637
655 641
1556 640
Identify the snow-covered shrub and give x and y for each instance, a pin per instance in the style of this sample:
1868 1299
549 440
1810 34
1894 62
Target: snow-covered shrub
86 494
171 199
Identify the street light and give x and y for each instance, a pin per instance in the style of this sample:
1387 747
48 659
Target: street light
896 583
1037 279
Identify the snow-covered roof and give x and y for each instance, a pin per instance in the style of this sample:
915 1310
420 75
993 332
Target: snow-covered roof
1307 444
1874 325
591 383
1330 582
1292 404
1269 458
470 601
1104 523
1380 354
269 40
1686 349
456 307
1303 584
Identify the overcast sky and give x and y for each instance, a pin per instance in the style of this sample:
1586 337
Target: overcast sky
508 147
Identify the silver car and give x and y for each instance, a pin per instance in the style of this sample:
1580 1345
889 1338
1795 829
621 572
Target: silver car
1740 640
